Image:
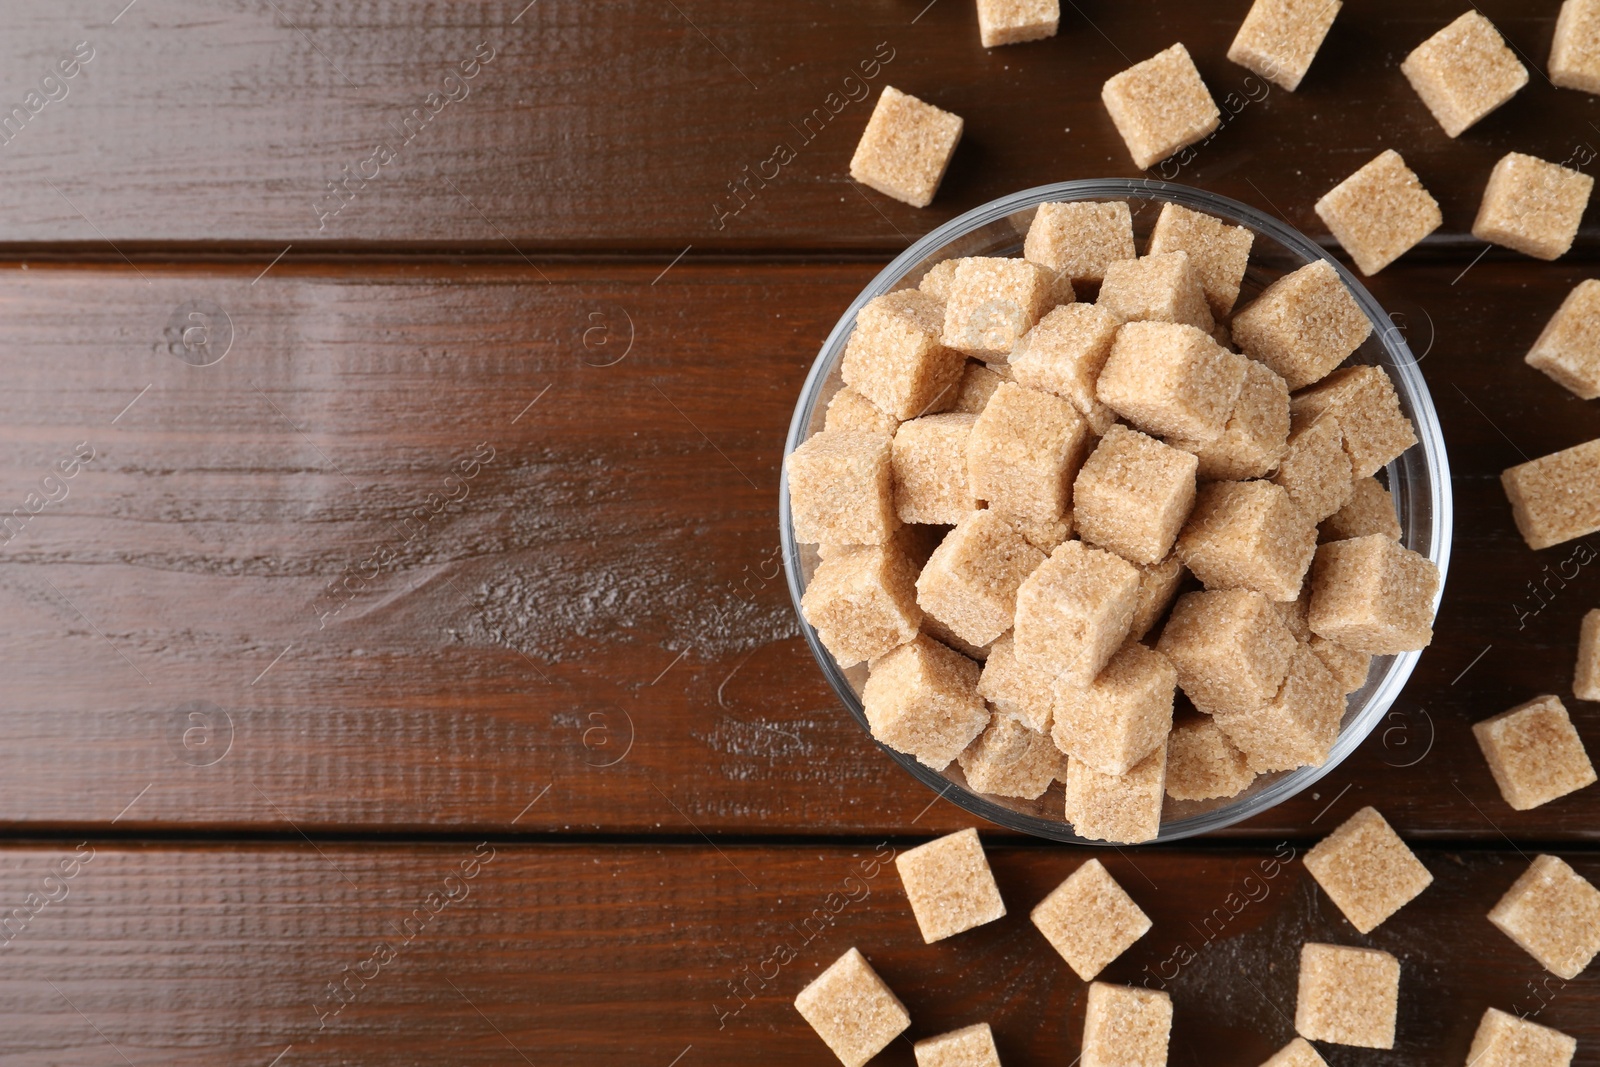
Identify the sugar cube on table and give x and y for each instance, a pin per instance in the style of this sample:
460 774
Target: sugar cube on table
1553 914
1248 535
1373 595
1171 380
922 699
978 383
970 582
1532 206
1302 325
1079 239
1380 212
1586 678
1575 51
929 458
1160 105
905 148
1120 808
1370 511
1015 689
1218 251
1367 870
1557 497
1230 647
850 410
1158 587
1505 1040
1534 753
1126 1026
1090 919
852 1010
993 301
1568 349
1010 760
1256 434
1279 38
1296 727
1015 21
840 488
1202 764
863 602
1024 451
949 885
970 1046
1348 666
1122 716
1164 287
1315 467
895 357
1065 353
1464 71
1297 1053
1074 612
1133 494
1363 399
1348 996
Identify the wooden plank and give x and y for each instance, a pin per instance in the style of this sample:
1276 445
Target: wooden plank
631 125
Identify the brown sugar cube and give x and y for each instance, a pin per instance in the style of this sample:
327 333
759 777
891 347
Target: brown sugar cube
1464 71
1315 468
1081 238
1133 494
994 301
895 359
1126 1026
1123 716
971 1046
1532 206
949 885
1202 764
1348 996
849 410
1024 452
1504 1040
1280 38
1157 288
1586 678
940 632
922 699
1158 587
1297 1053
1074 611
1171 380
936 283
1557 497
1160 106
1568 349
1044 536
930 469
1010 760
917 542
1294 613
1016 690
1370 511
1553 914
1218 252
970 582
852 1010
839 489
1575 51
1090 919
863 602
1015 21
1380 212
1248 535
905 148
1534 753
1302 325
978 383
1121 808
1297 727
1348 666
1065 353
1230 647
1373 595
1367 870
1256 434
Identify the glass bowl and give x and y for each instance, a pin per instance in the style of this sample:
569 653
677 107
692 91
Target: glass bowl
1419 479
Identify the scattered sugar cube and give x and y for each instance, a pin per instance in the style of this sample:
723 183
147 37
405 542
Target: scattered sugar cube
1534 753
1014 21
971 1046
1348 996
1158 587
1302 325
1121 808
1218 252
1157 288
936 283
839 489
863 602
905 148
1074 611
1126 1027
922 699
1090 919
1575 52
978 383
1079 239
1370 511
1256 434
1297 1053
1171 380
1568 349
849 410
930 469
1065 353
1504 1040
1367 870
1380 212
1016 690
1133 494
1586 678
1160 106
1348 666
1557 497
1373 595
895 358
1315 468
1122 716
970 582
1280 38
1230 647
1553 914
1024 451
949 885
1010 760
1298 726
1202 764
1532 206
1464 71
852 1010
1248 535
994 301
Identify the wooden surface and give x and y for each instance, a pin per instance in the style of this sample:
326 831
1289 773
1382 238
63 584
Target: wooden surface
540 455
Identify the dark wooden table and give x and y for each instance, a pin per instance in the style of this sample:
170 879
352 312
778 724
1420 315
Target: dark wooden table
417 626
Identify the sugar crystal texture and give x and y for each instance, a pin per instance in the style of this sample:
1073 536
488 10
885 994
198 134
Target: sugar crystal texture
863 602
1373 595
949 885
1044 536
1553 913
1133 494
1218 252
1279 38
1504 1040
922 699
1120 718
1586 678
839 489
1202 764
1074 611
936 282
1248 535
1575 51
1015 689
1370 511
930 469
1014 21
1158 587
1367 870
1464 71
895 358
1172 380
1297 1053
1090 919
1024 451
970 1046
993 301
1121 808
1126 1026
978 383
970 582
1010 760
1532 206
905 148
1380 212
1079 239
1256 434
1302 325
852 1010
1557 497
1065 353
1163 287
1298 726
1373 429
1534 753
1348 666
1568 349
1230 647
936 628
1315 468
849 410
1160 105
1348 996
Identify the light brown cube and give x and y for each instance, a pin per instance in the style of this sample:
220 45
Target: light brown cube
852 1010
1015 21
849 410
1157 288
1348 666
1158 587
1302 325
978 383
994 301
895 358
930 469
1231 649
1133 494
1294 613
863 602
1172 380
1074 611
1586 678
1121 808
1557 497
1568 349
1248 535
1256 434
1297 1053
1575 51
1024 451
1065 353
1079 239
1532 206
1315 468
1126 1026
1553 914
949 885
1160 106
922 699
1044 536
1090 919
971 1046
1380 212
936 282
970 582
1370 511
839 489
1367 870
1464 71
1202 764
1015 689
1010 760
1534 753
1218 252
1374 429
935 628
905 148
1122 716
1280 38
1298 726
1504 1040
1373 595
1348 996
